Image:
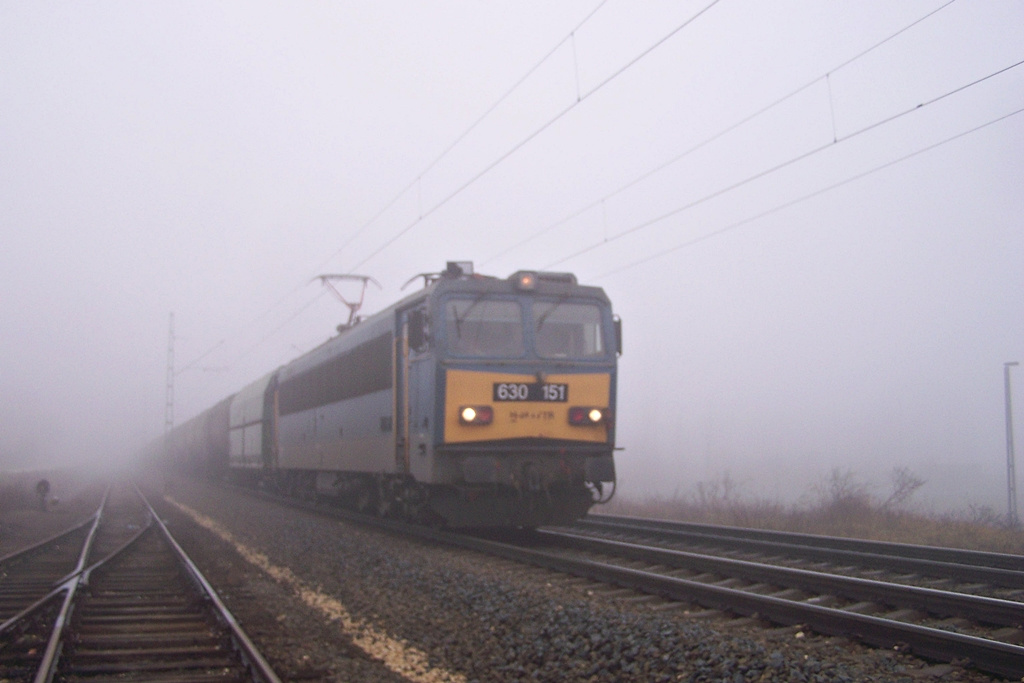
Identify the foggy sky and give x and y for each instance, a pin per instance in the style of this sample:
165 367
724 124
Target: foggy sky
852 308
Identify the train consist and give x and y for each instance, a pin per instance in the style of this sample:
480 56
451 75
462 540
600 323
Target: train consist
476 401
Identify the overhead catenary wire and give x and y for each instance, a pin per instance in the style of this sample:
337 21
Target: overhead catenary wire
421 214
283 324
806 197
191 364
414 183
778 167
424 214
532 135
580 98
716 136
462 136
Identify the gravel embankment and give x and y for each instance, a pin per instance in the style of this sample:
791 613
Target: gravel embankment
331 601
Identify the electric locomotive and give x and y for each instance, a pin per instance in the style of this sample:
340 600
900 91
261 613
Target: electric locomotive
476 401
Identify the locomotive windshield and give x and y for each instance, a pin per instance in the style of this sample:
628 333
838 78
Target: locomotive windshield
567 330
485 327
495 328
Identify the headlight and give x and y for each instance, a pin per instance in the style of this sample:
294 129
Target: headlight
476 415
582 416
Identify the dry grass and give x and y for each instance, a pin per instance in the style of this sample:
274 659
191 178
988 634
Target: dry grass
843 507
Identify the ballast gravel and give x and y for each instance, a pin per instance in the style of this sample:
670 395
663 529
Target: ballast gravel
327 600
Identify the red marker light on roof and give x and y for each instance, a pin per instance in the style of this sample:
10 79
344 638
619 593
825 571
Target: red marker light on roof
525 280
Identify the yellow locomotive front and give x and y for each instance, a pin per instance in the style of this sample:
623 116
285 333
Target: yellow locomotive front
525 385
497 406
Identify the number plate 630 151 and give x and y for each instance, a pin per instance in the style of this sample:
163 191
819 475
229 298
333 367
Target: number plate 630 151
531 391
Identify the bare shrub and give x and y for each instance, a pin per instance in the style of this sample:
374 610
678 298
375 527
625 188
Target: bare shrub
984 514
904 484
843 497
718 494
842 506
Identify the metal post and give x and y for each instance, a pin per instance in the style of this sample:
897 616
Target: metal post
169 406
1011 474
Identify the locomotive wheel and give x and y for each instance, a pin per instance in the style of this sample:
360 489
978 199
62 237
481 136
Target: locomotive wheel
414 500
385 498
366 498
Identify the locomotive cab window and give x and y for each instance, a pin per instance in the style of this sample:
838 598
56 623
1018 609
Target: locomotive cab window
484 327
567 330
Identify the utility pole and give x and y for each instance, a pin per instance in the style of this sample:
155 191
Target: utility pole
169 406
1011 474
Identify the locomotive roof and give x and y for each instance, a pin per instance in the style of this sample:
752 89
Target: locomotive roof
545 284
554 286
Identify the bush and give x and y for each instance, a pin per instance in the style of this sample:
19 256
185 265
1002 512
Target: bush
842 506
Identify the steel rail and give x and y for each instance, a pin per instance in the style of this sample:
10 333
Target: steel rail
819 551
27 586
17 554
962 556
55 587
47 667
987 655
937 602
243 644
61 584
69 586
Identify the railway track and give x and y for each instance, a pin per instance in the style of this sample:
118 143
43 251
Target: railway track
28 575
995 574
134 608
936 624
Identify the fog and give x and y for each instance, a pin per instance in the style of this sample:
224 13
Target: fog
808 215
